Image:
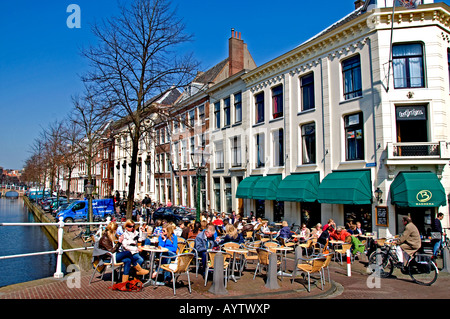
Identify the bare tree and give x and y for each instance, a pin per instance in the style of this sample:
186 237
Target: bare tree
71 137
88 116
136 59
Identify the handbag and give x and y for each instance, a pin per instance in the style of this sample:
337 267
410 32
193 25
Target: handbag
436 235
130 285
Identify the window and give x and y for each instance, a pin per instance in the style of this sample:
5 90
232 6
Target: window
238 108
278 147
192 118
259 107
354 137
217 114
307 91
277 101
351 71
236 151
184 153
309 143
176 151
407 63
201 113
226 112
217 194
219 155
192 148
260 161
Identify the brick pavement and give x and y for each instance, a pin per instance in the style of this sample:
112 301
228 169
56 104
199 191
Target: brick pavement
341 287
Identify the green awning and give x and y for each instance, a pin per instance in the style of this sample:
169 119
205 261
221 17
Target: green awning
245 187
346 187
417 189
299 188
266 187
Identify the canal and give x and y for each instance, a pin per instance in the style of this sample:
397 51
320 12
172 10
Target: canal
16 240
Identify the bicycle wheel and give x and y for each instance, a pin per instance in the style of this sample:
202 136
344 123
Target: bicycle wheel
380 264
423 271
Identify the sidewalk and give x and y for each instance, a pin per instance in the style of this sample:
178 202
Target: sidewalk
341 287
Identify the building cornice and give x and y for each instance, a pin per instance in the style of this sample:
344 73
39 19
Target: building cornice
336 40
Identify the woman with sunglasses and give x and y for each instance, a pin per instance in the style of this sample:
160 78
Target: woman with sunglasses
110 242
129 243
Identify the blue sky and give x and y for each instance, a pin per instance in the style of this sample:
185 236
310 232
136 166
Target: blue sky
40 61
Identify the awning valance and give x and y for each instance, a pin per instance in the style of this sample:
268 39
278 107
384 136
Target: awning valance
266 187
245 187
299 188
417 189
346 187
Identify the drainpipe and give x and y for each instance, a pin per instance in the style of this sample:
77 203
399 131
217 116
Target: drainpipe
323 117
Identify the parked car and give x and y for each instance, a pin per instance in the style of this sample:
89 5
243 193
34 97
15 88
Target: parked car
173 214
60 208
55 204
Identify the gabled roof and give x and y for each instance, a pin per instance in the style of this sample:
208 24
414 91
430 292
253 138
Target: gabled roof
211 75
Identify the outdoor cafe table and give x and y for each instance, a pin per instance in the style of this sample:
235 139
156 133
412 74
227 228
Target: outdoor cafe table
236 251
283 258
153 250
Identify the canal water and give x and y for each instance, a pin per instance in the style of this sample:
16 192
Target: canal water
16 240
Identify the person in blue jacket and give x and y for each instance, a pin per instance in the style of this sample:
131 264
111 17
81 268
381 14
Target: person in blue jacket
167 239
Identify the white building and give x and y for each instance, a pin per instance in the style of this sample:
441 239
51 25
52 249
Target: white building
332 121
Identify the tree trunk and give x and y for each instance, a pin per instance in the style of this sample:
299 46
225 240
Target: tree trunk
132 183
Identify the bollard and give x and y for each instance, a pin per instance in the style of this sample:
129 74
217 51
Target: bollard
59 274
349 264
218 286
446 260
272 279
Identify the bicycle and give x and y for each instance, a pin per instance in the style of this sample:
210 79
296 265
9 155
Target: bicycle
84 237
419 267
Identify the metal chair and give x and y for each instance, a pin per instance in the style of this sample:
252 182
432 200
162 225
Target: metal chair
180 266
211 255
105 262
263 260
310 266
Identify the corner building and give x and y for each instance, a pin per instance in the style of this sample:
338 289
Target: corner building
333 130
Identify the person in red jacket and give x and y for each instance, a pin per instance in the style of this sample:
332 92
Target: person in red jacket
340 234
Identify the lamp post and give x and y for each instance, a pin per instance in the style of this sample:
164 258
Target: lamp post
89 188
198 158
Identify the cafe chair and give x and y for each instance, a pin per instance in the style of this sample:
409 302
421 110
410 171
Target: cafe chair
179 267
343 251
181 246
307 246
310 266
190 246
326 266
232 245
270 245
252 254
107 261
211 254
263 260
287 242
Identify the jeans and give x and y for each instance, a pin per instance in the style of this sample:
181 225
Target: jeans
126 258
137 259
436 247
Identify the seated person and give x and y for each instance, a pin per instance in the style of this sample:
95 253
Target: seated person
304 233
285 231
317 231
325 236
340 234
168 240
232 235
204 241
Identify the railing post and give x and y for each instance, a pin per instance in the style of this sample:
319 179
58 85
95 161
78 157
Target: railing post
59 274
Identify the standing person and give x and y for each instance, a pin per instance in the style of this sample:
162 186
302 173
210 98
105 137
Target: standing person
203 242
130 238
169 203
437 227
410 241
108 242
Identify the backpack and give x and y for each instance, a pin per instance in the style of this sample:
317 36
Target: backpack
130 285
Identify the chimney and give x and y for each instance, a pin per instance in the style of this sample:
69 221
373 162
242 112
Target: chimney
235 53
359 4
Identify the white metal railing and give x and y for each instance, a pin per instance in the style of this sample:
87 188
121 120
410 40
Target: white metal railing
59 251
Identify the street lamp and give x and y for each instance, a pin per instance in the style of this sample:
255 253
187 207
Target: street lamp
378 195
89 189
199 159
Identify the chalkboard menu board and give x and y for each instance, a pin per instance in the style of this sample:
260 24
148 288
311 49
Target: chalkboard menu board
382 216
